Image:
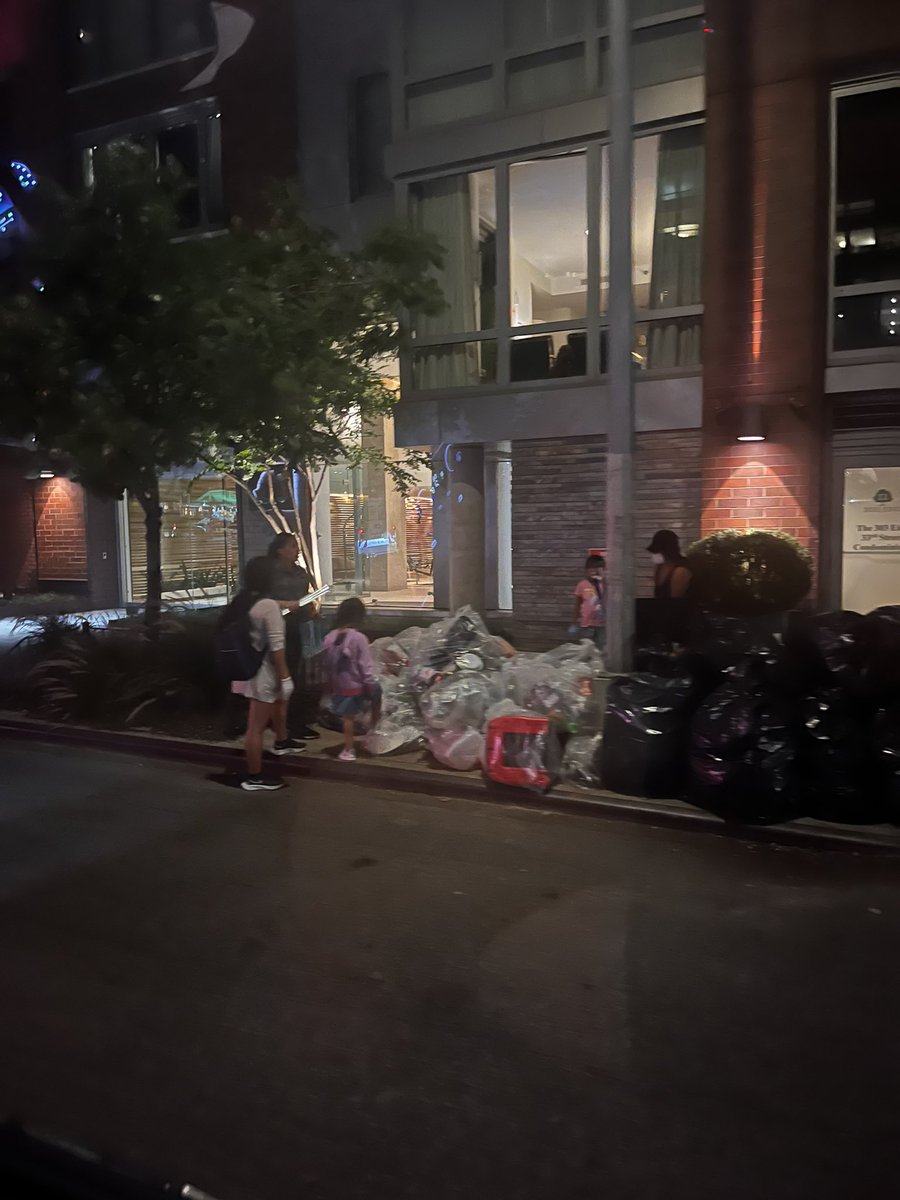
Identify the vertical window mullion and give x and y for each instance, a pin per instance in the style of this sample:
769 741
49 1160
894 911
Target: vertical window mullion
503 268
594 200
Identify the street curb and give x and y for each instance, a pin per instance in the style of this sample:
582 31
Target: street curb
391 776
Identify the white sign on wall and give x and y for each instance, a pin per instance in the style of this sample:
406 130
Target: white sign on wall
871 545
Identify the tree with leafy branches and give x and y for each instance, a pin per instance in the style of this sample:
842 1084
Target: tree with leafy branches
308 368
138 350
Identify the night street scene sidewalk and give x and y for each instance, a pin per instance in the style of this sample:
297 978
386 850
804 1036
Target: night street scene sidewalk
449 599
336 992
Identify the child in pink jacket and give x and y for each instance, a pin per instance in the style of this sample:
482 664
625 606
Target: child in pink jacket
350 671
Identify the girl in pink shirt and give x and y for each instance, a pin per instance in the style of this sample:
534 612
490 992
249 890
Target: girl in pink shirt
589 618
350 671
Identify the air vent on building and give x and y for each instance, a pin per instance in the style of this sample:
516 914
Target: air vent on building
871 412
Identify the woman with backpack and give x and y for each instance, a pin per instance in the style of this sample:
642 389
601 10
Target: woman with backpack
350 671
254 617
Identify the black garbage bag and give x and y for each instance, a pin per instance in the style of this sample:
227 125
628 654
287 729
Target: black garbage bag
726 641
882 672
645 735
837 759
743 752
887 749
830 650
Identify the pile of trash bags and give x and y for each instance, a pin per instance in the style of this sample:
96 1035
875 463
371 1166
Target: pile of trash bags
443 685
762 726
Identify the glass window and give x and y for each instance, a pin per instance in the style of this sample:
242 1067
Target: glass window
199 539
548 356
462 364
867 188
645 10
551 77
129 35
453 98
663 53
871 549
382 543
667 345
531 22
189 148
441 36
371 133
179 149
86 39
461 211
115 37
867 321
548 240
184 26
668 219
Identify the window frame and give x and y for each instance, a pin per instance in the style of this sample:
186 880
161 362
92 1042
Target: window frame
206 116
109 75
594 325
498 56
835 357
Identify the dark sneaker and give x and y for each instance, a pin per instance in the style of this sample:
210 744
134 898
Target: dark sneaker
308 733
262 783
291 746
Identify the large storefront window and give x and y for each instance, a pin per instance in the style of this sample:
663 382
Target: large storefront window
199 540
866 236
871 548
382 543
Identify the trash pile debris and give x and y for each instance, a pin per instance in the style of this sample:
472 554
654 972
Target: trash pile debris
754 723
452 686
764 727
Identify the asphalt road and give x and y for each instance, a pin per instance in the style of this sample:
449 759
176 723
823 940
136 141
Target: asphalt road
338 993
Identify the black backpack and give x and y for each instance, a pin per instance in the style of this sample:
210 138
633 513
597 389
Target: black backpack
237 657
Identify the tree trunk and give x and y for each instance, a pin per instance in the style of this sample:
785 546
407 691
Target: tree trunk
149 500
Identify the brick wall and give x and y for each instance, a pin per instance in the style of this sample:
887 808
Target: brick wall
61 541
559 512
18 563
770 67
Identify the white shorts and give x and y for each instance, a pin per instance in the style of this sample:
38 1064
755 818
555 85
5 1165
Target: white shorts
264 686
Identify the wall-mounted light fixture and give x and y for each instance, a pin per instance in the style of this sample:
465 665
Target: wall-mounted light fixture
750 424
46 474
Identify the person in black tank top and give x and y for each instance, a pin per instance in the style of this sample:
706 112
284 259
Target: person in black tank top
671 588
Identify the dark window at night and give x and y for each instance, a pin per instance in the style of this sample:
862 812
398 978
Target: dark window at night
187 141
867 188
371 133
116 37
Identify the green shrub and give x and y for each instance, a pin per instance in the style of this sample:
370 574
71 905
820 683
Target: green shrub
746 573
116 676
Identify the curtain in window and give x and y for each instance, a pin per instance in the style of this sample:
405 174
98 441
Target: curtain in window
678 231
445 208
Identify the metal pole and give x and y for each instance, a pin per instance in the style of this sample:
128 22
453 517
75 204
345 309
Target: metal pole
620 440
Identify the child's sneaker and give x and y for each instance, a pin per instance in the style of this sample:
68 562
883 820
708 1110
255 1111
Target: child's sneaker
289 746
347 755
262 783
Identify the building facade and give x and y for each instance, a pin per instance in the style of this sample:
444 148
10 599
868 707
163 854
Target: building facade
802 271
766 227
486 124
187 79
